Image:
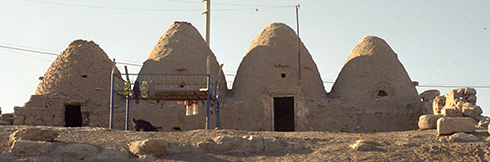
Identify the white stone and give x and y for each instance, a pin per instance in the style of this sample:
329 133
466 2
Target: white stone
361 145
156 147
34 134
429 121
450 125
470 110
429 94
451 112
463 137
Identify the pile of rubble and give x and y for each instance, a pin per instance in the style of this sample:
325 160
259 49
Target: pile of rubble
455 112
40 143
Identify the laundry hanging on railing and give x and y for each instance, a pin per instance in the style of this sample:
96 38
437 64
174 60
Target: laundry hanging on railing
191 107
136 92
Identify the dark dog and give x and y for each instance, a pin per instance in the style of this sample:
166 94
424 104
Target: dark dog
142 125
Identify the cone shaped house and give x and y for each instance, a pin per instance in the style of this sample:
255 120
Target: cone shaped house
179 62
77 71
75 86
272 63
182 50
267 92
372 73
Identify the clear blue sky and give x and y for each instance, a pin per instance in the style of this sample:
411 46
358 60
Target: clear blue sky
439 42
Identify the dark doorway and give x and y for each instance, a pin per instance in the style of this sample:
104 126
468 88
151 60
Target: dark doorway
283 114
73 116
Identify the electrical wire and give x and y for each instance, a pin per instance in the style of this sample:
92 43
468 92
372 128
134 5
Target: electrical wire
28 50
135 64
52 54
256 6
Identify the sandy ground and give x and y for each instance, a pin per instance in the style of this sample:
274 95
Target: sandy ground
416 145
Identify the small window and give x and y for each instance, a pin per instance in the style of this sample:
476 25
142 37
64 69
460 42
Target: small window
84 76
283 75
382 93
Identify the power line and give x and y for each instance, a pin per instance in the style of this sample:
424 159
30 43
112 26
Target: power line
51 53
167 10
28 50
104 7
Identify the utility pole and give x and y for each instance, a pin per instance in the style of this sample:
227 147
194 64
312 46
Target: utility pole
297 30
208 19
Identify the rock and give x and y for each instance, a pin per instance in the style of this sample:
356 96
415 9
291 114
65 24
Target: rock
463 137
245 145
483 123
147 157
25 147
438 104
470 110
34 134
451 112
271 144
155 147
429 94
363 145
429 121
405 143
227 143
450 125
78 151
253 144
113 153
207 145
5 123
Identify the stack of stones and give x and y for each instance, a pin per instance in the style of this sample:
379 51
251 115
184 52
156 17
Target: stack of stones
455 112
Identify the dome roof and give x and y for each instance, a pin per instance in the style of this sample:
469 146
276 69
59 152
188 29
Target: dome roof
272 63
182 50
83 69
373 72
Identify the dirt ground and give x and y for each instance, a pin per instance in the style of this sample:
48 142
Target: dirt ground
415 145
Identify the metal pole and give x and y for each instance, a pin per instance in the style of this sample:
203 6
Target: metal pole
111 117
127 101
127 113
208 19
297 30
207 103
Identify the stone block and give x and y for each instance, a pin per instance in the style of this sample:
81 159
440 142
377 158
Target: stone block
450 125
34 134
18 120
29 120
451 112
429 121
470 110
438 103
19 111
429 94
